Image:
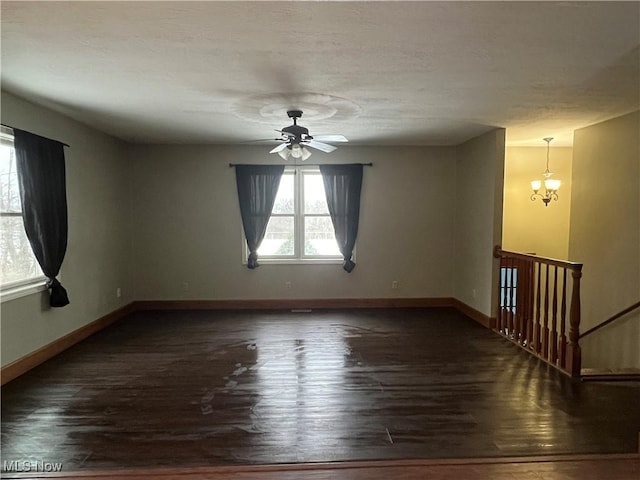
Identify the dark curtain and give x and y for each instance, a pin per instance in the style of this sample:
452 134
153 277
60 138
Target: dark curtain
257 190
342 185
42 185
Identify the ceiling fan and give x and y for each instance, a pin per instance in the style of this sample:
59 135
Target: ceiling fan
296 137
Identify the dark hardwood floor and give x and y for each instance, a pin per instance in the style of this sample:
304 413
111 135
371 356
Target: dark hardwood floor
201 388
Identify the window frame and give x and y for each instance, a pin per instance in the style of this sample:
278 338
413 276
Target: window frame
299 216
25 286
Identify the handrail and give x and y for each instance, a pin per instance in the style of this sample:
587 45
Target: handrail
499 252
615 317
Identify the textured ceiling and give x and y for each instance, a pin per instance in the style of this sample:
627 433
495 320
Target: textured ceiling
381 73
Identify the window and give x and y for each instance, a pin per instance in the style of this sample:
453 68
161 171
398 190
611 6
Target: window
300 227
18 265
508 288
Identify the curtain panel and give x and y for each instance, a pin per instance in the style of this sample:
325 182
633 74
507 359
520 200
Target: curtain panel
257 190
42 185
342 185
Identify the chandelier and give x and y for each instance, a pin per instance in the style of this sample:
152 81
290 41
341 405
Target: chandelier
551 186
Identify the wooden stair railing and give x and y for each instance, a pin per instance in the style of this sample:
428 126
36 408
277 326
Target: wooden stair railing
534 293
611 319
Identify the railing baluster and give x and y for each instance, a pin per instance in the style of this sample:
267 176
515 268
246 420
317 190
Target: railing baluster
500 296
529 308
563 320
545 330
554 317
521 285
521 304
511 320
516 304
538 344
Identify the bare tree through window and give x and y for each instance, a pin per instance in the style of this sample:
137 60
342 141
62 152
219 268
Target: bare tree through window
18 264
300 225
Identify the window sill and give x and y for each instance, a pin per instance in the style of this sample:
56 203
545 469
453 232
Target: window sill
12 293
298 261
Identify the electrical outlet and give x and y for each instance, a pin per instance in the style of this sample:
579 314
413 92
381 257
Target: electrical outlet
185 286
118 292
394 284
287 285
474 293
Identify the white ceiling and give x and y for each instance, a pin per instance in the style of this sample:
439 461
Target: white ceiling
381 73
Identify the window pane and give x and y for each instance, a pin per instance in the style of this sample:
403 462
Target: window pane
319 237
9 194
17 262
280 237
284 199
315 200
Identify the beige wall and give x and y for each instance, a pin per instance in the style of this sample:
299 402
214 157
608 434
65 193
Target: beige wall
478 219
187 227
97 256
528 226
605 236
149 219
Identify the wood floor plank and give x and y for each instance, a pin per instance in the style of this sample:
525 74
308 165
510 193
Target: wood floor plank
594 467
206 388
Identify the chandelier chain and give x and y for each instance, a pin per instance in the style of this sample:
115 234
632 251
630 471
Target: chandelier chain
548 140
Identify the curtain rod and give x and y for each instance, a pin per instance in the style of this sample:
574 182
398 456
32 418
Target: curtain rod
41 136
306 164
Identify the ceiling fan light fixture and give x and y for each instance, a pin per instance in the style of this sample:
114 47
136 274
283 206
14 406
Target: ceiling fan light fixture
296 150
305 154
284 154
295 140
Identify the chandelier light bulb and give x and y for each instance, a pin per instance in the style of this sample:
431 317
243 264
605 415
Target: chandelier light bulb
535 185
552 185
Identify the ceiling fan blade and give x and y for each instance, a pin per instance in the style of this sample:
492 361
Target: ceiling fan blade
263 140
330 138
324 147
288 134
279 148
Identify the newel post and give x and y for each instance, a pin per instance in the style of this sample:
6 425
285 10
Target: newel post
574 357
